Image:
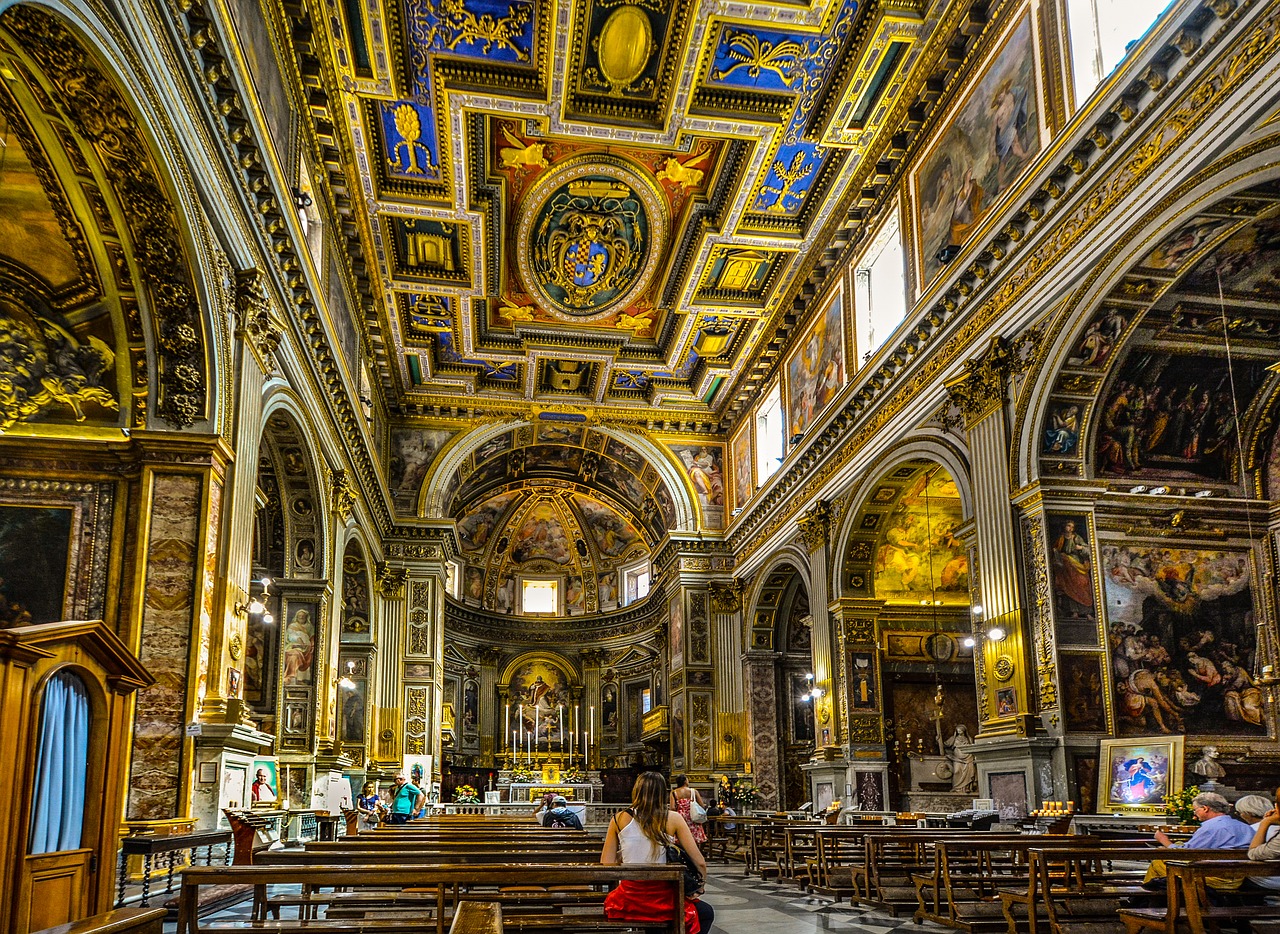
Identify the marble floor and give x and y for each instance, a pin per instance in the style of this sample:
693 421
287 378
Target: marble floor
750 906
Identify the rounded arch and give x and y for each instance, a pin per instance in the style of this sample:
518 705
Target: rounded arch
356 589
295 528
936 449
524 659
167 293
1062 408
766 598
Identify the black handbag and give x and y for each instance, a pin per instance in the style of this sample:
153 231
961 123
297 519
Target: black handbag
692 878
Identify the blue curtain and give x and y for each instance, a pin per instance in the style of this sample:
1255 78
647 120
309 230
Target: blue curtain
62 762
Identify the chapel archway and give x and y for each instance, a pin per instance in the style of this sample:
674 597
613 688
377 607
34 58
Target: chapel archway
779 669
908 634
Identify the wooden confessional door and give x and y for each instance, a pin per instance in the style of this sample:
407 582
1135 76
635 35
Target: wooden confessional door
42 890
56 889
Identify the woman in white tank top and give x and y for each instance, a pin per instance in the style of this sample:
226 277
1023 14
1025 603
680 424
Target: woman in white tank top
638 836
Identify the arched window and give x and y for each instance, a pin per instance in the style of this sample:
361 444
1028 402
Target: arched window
62 760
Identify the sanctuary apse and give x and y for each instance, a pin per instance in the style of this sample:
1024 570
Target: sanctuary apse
784 391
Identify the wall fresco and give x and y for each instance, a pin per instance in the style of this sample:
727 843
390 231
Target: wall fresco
704 466
987 142
815 371
412 453
918 553
1171 415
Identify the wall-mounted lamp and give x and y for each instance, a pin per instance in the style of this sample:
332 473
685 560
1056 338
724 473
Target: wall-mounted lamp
968 642
996 633
345 681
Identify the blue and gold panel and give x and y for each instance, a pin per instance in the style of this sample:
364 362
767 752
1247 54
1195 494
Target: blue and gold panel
624 59
492 31
762 59
408 133
425 250
449 356
741 276
424 316
797 180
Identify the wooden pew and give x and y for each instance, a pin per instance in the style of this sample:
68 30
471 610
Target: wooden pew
1189 898
474 852
119 921
423 900
883 877
1079 888
962 888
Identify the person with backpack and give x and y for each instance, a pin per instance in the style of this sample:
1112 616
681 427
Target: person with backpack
557 813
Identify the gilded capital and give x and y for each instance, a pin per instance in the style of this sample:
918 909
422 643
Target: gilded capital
980 390
254 321
391 580
813 525
726 598
343 493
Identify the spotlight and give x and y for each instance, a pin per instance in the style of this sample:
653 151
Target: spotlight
795 439
948 253
1158 491
1203 494
302 199
977 610
996 633
1140 488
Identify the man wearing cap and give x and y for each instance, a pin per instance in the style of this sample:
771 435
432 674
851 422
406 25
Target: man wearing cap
407 800
557 813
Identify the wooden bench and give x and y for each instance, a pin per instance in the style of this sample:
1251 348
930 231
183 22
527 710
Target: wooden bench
1078 889
882 879
1190 899
119 921
423 900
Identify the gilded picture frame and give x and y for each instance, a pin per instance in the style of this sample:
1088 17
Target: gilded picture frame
1135 774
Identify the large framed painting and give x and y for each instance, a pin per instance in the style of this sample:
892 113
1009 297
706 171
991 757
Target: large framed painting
541 702
988 139
1071 573
1182 639
35 550
815 371
744 484
1083 691
1134 775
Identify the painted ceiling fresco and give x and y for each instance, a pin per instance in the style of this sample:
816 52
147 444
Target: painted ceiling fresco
904 548
601 203
1176 351
547 531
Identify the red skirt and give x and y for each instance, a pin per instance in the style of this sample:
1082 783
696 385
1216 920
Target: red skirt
647 903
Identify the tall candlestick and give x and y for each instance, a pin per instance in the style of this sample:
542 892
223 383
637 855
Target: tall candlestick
535 728
520 718
591 720
559 710
506 725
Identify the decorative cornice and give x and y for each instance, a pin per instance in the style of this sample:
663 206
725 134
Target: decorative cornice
983 387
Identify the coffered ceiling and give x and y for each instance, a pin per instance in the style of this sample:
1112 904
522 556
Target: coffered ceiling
611 205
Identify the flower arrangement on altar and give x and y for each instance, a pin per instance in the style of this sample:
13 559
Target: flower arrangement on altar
521 774
1178 804
738 793
466 794
573 775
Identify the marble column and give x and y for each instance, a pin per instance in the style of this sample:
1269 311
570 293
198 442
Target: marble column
258 333
1007 744
729 710
814 536
389 621
491 711
759 673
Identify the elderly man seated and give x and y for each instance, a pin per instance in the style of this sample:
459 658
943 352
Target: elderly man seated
1218 830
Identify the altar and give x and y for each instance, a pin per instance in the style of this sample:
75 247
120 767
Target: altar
532 791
